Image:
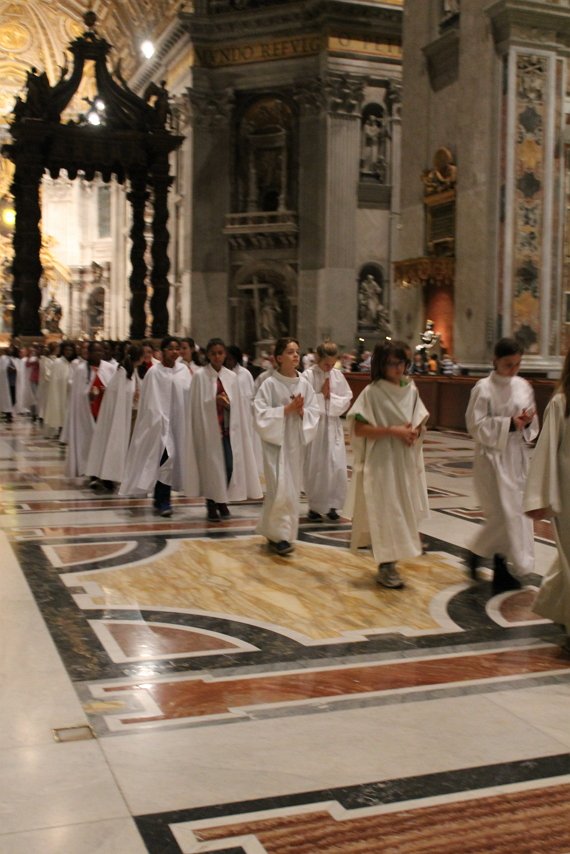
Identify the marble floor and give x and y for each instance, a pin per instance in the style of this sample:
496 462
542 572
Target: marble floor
170 687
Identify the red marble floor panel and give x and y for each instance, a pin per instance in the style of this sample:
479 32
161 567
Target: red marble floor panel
143 640
517 608
197 697
529 822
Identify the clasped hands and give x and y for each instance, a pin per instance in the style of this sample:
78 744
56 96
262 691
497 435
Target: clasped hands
296 405
523 419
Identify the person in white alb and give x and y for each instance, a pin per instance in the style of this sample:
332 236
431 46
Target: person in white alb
220 463
286 416
501 418
325 459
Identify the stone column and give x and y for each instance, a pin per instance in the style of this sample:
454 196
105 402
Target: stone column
211 113
394 98
329 168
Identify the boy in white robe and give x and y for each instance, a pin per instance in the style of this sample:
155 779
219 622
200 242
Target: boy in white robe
157 452
88 385
287 419
501 418
388 492
325 458
547 493
220 460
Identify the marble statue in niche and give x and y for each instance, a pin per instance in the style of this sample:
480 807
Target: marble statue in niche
371 311
374 135
271 326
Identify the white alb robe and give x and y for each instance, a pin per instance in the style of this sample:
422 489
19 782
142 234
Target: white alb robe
283 438
325 458
161 425
205 464
548 485
500 468
247 391
110 442
80 422
388 493
46 367
6 404
57 395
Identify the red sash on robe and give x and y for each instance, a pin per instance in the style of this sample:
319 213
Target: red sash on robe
96 394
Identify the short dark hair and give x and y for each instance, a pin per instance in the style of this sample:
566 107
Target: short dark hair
508 347
166 342
382 352
234 351
215 342
281 345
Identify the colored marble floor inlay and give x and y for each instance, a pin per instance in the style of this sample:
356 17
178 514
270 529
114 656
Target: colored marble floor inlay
319 592
243 703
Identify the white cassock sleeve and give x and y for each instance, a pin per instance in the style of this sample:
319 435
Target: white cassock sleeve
487 429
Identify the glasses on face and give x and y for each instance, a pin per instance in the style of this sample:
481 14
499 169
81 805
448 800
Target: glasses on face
395 363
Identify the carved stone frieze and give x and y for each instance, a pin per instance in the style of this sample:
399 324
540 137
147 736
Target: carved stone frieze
210 109
337 94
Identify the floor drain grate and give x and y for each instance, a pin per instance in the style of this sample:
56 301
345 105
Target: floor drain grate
83 732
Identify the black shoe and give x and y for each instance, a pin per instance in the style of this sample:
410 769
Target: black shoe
333 515
212 511
472 562
281 548
165 510
502 578
223 510
312 516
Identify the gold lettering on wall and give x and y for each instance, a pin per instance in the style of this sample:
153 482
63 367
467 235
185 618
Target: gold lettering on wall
345 43
263 51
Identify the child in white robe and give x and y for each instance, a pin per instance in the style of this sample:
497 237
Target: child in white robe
110 442
325 459
547 493
156 458
388 493
220 460
287 419
88 385
501 418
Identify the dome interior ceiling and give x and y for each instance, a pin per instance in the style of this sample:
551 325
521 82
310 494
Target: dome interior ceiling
37 32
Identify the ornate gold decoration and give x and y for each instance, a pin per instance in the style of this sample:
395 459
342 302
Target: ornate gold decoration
416 272
443 175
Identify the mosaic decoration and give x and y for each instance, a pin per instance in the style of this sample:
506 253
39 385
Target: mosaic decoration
528 219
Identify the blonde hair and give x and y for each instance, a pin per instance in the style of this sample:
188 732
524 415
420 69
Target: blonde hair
327 348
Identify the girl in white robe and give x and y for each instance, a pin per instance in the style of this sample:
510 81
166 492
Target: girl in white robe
388 492
110 443
501 418
547 493
287 419
220 460
325 459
